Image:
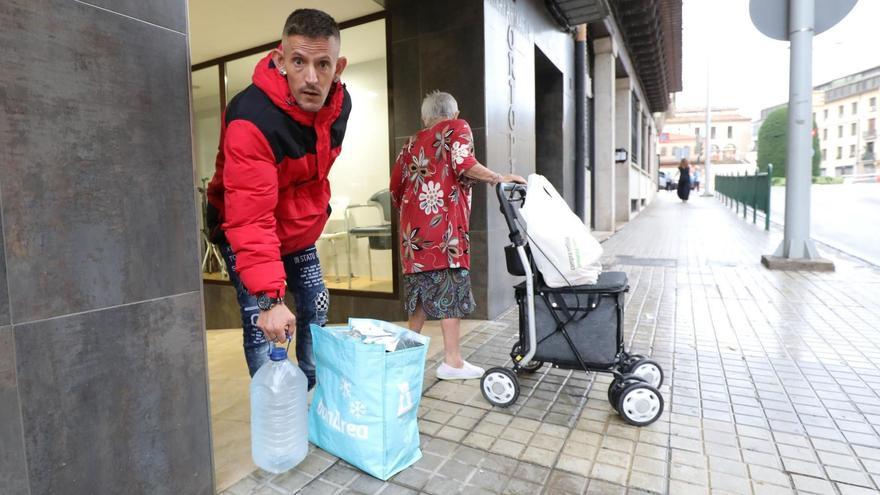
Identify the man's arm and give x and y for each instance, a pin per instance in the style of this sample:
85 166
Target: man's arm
251 180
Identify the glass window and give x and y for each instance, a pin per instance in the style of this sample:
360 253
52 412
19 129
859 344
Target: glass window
730 132
824 133
825 113
852 150
206 135
663 151
634 125
855 107
359 177
240 73
824 154
840 111
873 103
697 132
713 132
840 131
852 129
839 152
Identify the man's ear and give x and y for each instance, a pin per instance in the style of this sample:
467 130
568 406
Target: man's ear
455 116
341 63
278 58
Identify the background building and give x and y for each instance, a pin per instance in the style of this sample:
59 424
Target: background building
845 112
684 136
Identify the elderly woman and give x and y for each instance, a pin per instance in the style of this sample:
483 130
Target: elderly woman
431 186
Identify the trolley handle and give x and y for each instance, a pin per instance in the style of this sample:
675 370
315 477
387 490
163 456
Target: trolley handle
509 193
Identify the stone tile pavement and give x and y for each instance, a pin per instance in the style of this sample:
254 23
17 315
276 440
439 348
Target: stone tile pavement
771 384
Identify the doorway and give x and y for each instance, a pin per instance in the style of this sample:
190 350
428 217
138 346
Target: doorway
548 122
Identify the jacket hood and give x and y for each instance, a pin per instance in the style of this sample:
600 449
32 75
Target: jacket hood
270 81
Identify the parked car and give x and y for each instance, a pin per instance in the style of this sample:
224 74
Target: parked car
665 181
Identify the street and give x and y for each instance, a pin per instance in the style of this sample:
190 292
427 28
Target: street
845 216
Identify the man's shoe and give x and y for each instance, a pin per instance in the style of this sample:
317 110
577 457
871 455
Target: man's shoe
466 372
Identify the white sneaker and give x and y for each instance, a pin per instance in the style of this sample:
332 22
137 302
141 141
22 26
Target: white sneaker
466 372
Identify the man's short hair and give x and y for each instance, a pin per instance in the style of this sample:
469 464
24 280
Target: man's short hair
438 104
311 23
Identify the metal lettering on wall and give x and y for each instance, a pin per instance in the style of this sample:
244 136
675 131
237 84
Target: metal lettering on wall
511 111
515 22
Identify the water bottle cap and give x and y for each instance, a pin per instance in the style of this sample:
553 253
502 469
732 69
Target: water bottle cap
278 354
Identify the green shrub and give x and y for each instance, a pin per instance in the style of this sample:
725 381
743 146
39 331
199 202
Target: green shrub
827 180
772 143
777 181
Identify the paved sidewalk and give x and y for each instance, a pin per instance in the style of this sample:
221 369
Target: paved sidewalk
771 384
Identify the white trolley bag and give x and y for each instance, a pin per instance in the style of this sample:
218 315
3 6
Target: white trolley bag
563 247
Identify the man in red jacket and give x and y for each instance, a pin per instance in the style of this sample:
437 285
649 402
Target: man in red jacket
269 197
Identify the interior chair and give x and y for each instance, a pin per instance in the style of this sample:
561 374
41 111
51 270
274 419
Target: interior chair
377 234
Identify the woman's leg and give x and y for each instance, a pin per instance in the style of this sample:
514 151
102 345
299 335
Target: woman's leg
451 333
417 318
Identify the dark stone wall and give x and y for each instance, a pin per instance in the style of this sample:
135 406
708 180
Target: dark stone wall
103 385
514 30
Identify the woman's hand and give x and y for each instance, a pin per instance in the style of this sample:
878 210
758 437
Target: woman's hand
513 178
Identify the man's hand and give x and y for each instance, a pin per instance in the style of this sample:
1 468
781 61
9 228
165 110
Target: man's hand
513 178
276 323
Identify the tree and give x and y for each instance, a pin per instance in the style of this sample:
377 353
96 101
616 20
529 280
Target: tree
772 143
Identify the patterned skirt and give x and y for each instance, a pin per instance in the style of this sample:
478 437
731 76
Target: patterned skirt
443 293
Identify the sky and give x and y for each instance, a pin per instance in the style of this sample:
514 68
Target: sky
748 70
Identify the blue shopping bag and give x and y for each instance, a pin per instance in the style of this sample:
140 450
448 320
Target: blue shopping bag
365 406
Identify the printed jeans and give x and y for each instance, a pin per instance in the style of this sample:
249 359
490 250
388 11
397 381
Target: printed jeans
306 284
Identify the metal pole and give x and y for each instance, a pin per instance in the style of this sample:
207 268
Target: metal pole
796 243
707 152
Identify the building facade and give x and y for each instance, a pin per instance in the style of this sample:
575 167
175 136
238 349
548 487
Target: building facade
684 136
845 112
846 115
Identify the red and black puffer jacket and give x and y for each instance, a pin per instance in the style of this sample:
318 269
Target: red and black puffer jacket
270 195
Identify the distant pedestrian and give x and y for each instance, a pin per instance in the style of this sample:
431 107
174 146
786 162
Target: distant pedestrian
684 180
697 179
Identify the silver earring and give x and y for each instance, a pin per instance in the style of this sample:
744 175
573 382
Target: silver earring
282 72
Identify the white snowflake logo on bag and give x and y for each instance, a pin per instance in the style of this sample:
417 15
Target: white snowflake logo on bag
357 409
345 386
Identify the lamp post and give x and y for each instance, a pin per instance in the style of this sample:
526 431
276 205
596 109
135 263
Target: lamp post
707 150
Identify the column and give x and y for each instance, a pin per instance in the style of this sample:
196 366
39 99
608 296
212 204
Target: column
623 140
103 380
605 52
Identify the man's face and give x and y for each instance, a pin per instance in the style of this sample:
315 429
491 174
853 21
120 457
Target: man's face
312 64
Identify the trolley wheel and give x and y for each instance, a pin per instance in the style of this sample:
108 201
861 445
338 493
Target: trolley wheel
640 404
530 367
618 385
500 387
633 358
647 369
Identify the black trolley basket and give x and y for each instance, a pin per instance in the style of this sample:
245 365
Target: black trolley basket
575 327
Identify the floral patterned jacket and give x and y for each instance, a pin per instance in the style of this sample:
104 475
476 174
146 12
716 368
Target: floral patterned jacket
429 188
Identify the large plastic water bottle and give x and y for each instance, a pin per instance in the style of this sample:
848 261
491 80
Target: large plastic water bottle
279 414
